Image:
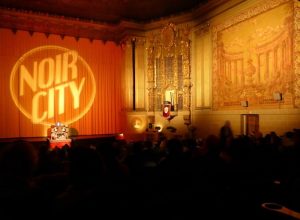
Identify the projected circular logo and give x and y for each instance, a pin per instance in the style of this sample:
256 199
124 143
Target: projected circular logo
52 83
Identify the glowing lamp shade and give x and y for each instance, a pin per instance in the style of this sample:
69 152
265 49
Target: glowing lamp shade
136 123
120 136
58 123
277 96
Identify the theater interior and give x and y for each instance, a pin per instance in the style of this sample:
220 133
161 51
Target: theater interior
146 109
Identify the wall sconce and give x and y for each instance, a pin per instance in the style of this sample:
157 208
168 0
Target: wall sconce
137 123
277 96
120 136
158 128
244 103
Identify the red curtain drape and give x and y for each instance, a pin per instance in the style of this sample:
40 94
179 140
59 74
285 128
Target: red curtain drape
105 62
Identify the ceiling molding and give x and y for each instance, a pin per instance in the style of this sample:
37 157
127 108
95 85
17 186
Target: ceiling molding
79 28
60 25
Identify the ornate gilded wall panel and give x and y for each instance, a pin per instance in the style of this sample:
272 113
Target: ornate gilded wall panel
168 72
253 58
140 75
297 52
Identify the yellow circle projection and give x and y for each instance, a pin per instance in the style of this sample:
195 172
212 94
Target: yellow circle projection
48 77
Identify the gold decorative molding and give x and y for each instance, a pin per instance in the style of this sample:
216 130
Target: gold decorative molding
249 14
84 28
252 59
168 70
65 26
296 47
203 28
138 40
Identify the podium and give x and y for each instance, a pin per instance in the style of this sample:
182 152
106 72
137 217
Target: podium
249 124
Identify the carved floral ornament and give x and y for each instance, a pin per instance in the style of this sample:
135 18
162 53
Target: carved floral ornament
168 36
168 70
252 60
296 50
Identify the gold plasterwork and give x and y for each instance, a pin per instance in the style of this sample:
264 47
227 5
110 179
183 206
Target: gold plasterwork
297 52
168 71
253 58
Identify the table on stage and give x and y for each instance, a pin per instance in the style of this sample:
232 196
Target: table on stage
60 143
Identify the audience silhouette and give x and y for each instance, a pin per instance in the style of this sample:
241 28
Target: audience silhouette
217 177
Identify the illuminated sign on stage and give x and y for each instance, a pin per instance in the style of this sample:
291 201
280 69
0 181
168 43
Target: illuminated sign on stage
49 81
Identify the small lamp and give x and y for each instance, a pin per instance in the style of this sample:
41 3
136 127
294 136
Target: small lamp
277 96
244 103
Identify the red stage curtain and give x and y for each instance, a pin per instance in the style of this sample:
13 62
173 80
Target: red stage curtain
105 60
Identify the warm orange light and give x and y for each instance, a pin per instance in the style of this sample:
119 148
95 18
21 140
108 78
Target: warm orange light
137 123
52 75
120 136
